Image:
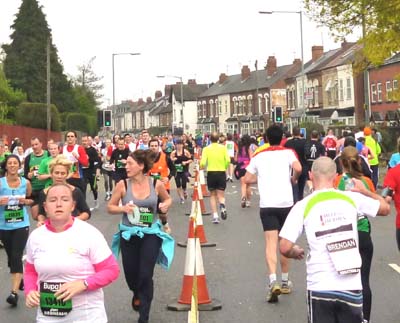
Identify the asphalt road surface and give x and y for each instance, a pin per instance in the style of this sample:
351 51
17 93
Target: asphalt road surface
235 270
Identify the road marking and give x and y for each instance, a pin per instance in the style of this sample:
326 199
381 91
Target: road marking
395 267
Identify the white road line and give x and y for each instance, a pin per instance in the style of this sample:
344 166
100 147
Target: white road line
395 267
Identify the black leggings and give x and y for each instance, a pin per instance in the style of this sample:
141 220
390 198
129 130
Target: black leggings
139 256
181 180
366 248
398 238
91 179
14 243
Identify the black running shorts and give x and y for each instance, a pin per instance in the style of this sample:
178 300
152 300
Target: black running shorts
273 218
216 181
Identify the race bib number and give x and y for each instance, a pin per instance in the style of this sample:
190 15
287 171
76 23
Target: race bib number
179 168
120 164
345 256
14 213
49 304
141 217
155 175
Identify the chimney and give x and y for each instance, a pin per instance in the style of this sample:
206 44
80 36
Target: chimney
148 99
297 62
222 78
317 52
245 72
271 66
192 82
158 94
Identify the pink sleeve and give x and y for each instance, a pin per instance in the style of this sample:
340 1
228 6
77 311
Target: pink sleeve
30 278
106 272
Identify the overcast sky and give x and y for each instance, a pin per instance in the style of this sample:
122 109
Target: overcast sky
187 38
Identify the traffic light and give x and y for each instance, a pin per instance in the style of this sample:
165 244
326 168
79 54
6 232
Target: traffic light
278 115
107 118
100 118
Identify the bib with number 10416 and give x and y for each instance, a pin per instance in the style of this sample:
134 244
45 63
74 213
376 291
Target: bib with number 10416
13 211
49 304
141 216
343 250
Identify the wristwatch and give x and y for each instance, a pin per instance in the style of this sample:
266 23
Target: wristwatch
86 284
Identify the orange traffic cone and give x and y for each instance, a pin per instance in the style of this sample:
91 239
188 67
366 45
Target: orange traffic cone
194 270
198 195
196 216
202 180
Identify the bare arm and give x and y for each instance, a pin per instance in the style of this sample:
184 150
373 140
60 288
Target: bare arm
290 250
117 195
250 178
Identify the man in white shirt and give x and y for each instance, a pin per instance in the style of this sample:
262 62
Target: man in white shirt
329 220
274 169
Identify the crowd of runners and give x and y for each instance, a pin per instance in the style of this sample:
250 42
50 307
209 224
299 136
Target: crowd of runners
298 180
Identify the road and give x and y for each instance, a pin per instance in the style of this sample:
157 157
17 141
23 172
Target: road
235 271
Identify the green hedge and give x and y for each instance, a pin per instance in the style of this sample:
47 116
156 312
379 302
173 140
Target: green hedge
34 115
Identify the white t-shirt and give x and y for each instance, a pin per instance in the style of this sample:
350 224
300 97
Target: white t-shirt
230 146
68 256
273 168
328 216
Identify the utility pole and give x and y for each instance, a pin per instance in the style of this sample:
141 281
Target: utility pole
48 90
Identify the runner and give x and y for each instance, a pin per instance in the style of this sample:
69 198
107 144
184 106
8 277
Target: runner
141 236
375 148
351 162
143 143
118 160
64 278
274 169
31 167
44 171
181 159
91 173
232 148
215 157
60 168
106 169
313 149
330 143
329 220
14 220
79 158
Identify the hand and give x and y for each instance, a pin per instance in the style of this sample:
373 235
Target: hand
128 208
75 154
32 299
294 180
3 200
30 175
297 252
163 207
70 289
358 186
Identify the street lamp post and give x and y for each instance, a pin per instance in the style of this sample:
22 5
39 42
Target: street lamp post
300 13
182 102
113 74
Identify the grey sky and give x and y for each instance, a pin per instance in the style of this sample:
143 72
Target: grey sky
192 39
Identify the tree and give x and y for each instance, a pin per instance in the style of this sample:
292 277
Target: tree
25 61
88 80
378 21
9 99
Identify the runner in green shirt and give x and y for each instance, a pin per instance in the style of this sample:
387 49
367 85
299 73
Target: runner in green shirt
44 171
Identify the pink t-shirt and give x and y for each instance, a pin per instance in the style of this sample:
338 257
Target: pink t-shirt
67 256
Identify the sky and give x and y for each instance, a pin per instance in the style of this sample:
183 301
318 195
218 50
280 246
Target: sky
185 38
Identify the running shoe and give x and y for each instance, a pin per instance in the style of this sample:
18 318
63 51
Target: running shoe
274 291
286 287
243 203
231 179
185 195
224 214
12 299
215 220
182 200
247 203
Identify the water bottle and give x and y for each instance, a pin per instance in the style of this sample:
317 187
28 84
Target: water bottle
348 183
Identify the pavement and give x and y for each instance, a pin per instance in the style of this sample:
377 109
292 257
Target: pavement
235 270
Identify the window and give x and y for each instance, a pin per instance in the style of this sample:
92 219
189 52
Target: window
348 88
226 106
240 106
379 90
394 91
373 93
250 105
204 109
235 107
220 107
388 91
341 90
316 100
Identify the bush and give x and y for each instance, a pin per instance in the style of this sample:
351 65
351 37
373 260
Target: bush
34 115
310 126
78 122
